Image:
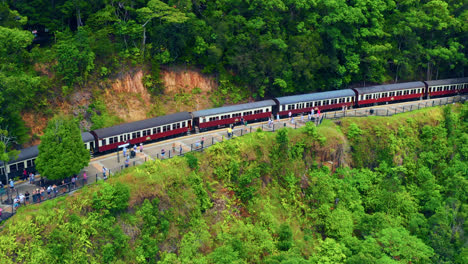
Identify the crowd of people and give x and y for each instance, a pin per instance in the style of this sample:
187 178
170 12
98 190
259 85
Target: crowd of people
42 193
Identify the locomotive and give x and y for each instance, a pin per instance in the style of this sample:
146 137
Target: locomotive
159 128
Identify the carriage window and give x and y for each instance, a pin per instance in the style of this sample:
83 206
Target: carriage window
111 140
164 129
144 133
183 124
13 168
29 163
121 138
103 142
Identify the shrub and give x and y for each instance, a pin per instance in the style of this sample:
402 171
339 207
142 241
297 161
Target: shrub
111 198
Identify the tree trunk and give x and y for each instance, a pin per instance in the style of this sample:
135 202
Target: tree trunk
78 18
428 74
143 42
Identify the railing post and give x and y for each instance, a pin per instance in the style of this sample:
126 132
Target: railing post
273 127
96 177
191 146
250 129
145 159
118 157
133 163
295 125
169 153
411 108
212 140
387 111
157 156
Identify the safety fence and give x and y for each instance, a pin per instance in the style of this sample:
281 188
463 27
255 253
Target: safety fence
389 110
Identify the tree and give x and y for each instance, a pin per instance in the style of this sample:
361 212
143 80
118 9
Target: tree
62 152
400 245
158 9
75 58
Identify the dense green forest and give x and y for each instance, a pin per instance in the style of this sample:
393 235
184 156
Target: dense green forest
267 48
358 190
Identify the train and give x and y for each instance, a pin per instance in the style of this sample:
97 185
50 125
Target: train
160 128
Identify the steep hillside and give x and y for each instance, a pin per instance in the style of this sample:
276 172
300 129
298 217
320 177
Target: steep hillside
359 190
124 98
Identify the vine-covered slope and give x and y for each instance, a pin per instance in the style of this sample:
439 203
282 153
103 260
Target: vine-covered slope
358 190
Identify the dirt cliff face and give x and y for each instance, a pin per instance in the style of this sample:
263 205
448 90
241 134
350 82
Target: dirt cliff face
127 98
176 79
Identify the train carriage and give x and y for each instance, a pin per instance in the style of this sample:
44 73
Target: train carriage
27 157
88 140
389 93
26 160
222 116
110 138
447 87
318 101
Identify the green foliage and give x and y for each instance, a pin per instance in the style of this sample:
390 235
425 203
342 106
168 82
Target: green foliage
100 117
354 131
62 152
399 244
75 58
202 195
224 255
192 161
285 238
111 198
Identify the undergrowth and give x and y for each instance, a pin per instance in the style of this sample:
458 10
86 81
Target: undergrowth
357 190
